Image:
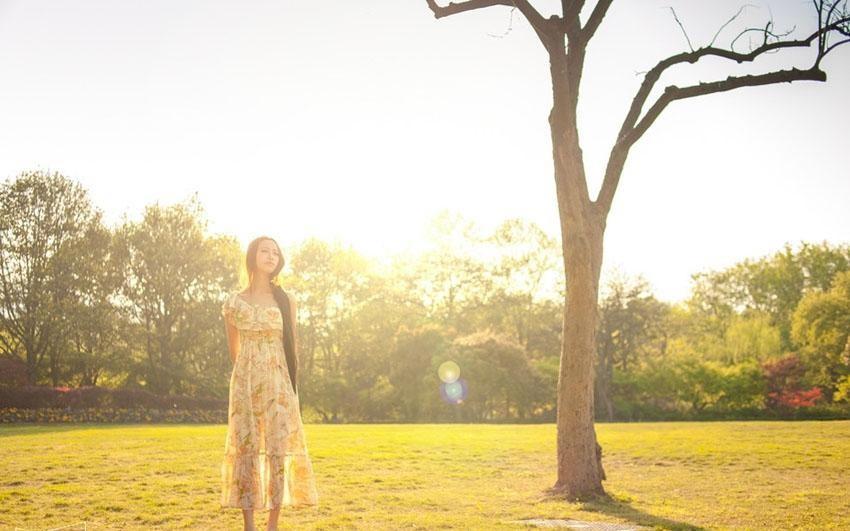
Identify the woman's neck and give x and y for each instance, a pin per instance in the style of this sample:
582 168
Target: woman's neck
260 284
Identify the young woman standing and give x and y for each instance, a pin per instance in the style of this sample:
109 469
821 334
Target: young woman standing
266 465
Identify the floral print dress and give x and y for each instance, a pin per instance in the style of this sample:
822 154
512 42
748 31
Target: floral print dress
265 464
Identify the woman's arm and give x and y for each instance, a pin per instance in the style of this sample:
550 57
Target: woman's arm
230 329
232 339
293 312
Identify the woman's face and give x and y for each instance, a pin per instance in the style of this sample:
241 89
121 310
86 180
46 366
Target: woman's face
267 256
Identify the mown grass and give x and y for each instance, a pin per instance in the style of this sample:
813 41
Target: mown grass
745 475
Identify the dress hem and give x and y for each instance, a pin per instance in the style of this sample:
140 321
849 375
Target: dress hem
284 506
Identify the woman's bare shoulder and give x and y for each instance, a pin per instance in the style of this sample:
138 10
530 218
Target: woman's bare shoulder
231 296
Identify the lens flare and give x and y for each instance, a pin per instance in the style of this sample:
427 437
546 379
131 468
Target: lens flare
449 371
454 392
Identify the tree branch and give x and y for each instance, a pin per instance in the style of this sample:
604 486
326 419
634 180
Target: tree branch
541 26
470 5
571 9
831 10
534 18
843 27
692 57
741 10
682 27
632 130
765 31
673 93
833 46
565 7
596 16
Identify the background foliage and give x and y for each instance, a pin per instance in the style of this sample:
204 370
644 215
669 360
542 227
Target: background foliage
136 307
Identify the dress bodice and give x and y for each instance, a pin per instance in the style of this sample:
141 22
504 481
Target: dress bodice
249 316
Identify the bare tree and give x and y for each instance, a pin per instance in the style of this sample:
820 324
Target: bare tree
583 220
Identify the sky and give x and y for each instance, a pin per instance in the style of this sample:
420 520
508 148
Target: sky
360 121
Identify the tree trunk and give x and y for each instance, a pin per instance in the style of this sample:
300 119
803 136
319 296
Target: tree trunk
54 368
32 363
580 472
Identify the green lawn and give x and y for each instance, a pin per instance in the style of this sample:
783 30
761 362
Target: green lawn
746 475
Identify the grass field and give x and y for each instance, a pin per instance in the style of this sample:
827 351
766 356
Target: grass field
745 475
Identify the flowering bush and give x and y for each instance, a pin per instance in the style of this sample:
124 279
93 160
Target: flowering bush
98 404
112 415
794 399
784 384
36 397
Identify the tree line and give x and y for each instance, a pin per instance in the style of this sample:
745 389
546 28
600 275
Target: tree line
138 306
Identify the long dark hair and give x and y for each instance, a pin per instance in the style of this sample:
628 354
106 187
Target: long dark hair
282 300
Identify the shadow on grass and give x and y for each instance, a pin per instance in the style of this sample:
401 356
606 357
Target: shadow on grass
618 508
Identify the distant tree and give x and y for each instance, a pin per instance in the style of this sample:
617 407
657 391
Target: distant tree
410 369
342 340
49 237
821 326
173 276
94 339
742 338
750 338
501 384
453 283
367 340
711 385
771 286
631 323
525 275
331 282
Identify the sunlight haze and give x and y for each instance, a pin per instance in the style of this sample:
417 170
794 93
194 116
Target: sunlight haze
361 121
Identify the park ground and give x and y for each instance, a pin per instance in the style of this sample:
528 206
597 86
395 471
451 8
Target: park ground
673 475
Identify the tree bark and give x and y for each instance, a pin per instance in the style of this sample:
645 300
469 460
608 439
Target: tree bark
580 472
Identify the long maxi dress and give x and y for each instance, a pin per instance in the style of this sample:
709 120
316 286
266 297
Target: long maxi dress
266 464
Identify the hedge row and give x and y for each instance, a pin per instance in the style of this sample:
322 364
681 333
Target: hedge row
112 415
641 413
93 397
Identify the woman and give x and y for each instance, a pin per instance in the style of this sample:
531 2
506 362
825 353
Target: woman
266 464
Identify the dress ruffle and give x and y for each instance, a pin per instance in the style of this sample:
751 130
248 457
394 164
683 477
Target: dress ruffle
264 481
